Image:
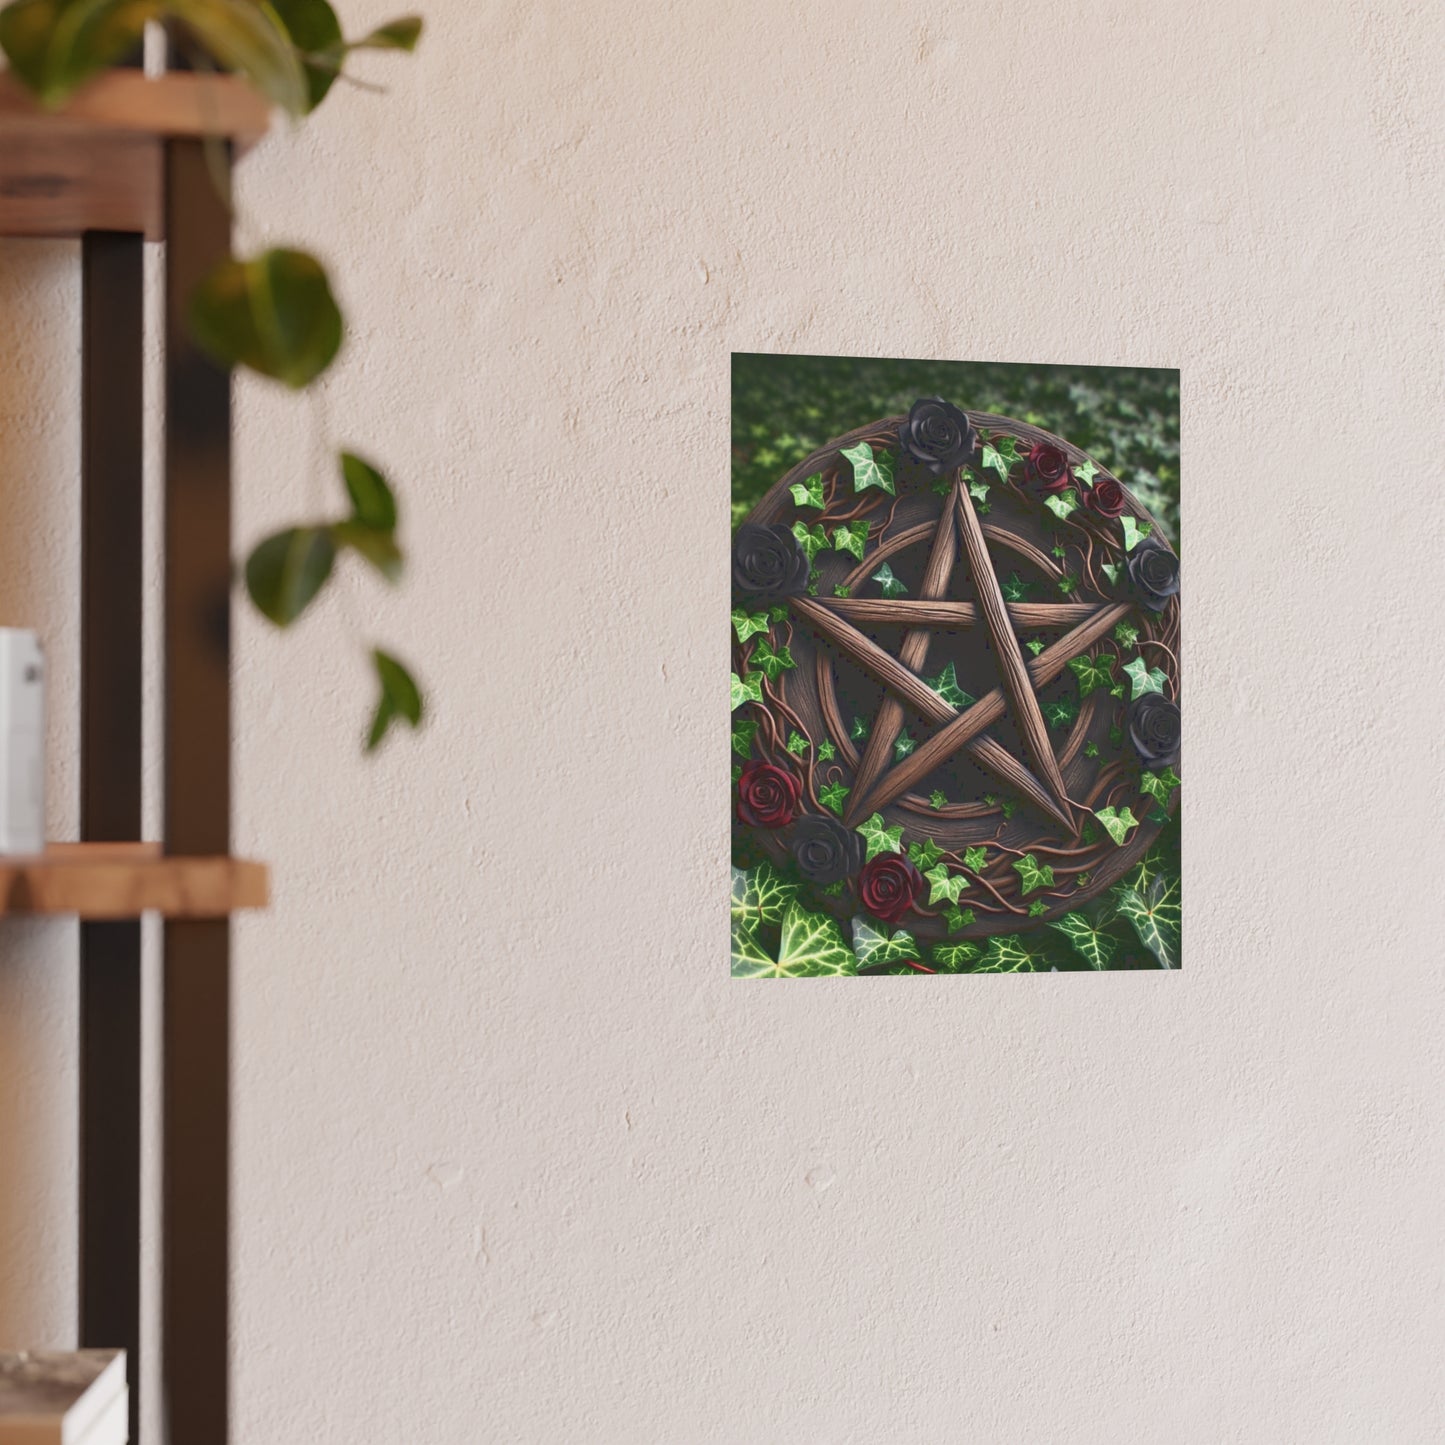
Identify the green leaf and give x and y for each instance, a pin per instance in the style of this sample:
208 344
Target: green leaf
760 895
737 771
1000 453
946 686
372 501
798 745
875 948
812 539
1113 571
925 854
274 314
399 701
1134 532
399 34
378 548
957 918
842 589
1059 550
1007 954
936 799
1085 472
315 31
943 884
1126 633
1015 589
859 730
1060 714
1092 672
1150 867
749 625
1093 946
868 470
1038 908
1159 785
54 46
891 585
1144 679
1035 645
942 486
1061 504
750 958
1117 822
746 689
1009 806
1068 583
977 488
773 663
833 795
744 731
826 751
286 571
880 839
903 745
1156 917
954 957
812 946
1031 876
778 614
1091 750
809 493
975 859
851 538
250 40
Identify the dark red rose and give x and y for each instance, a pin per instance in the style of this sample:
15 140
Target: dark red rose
1106 497
767 796
888 885
1048 467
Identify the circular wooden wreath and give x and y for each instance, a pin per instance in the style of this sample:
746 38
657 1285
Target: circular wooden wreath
956 675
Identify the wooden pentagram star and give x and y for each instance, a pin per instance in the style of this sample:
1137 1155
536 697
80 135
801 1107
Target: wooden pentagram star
873 787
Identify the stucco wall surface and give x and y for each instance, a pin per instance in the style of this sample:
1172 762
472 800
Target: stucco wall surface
514 1159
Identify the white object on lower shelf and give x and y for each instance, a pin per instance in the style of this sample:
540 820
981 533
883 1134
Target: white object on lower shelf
51 1397
22 742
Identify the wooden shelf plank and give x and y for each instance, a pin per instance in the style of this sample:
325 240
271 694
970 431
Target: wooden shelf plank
96 163
124 880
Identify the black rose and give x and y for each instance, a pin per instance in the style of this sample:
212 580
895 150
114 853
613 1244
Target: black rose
768 563
1154 730
1154 571
937 434
825 850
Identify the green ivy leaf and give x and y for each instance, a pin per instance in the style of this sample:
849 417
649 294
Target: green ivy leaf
975 859
1068 583
812 946
1007 954
1059 550
1010 806
852 538
1126 633
903 745
1112 570
1015 589
859 730
1134 532
977 489
811 539
1093 946
833 795
942 486
1156 917
809 493
946 686
1031 875
868 470
1159 785
936 799
1061 504
1091 750
826 751
400 699
798 745
1060 714
943 884
1000 453
778 614
880 839
746 689
1038 908
737 771
744 731
750 958
925 854
1144 679
1092 672
1117 823
760 895
1035 645
957 918
749 625
954 957
1085 472
274 314
773 663
286 571
891 585
875 948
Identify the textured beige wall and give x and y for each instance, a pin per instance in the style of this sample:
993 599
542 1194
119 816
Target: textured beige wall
515 1161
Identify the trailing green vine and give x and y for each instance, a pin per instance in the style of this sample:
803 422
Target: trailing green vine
274 313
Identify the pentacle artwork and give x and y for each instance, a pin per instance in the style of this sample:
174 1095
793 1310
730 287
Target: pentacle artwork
955 706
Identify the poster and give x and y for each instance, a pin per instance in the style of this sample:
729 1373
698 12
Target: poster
956 678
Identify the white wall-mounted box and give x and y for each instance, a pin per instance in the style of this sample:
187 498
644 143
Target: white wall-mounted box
22 742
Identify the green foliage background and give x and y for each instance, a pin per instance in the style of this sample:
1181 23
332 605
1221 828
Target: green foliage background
786 406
